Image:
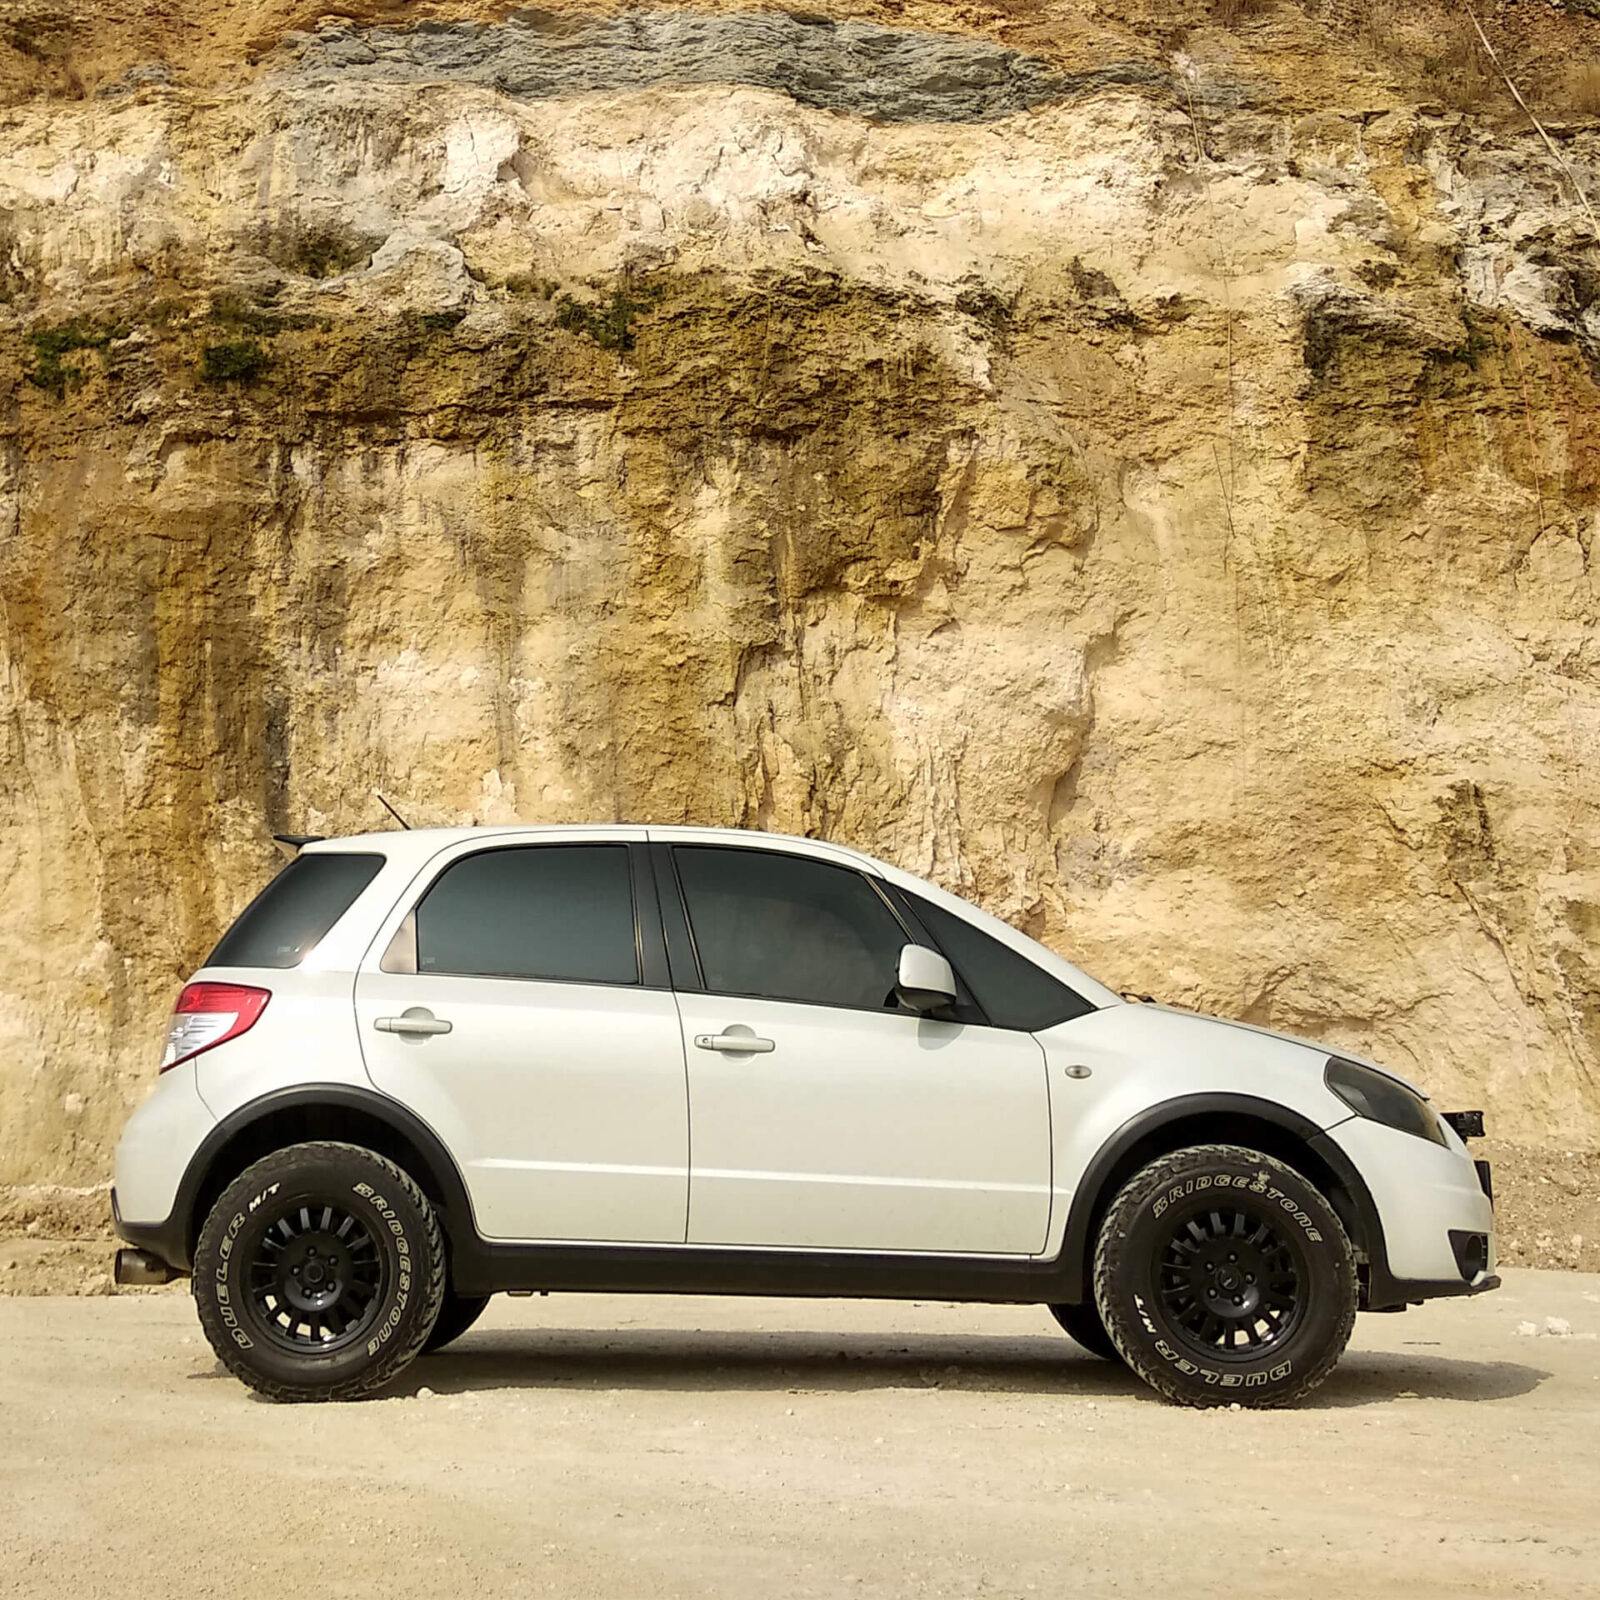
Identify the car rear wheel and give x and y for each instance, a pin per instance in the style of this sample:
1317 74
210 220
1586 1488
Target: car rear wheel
456 1315
319 1273
1082 1323
1224 1276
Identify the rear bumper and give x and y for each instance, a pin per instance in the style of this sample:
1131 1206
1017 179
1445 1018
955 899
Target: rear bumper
164 1239
158 1145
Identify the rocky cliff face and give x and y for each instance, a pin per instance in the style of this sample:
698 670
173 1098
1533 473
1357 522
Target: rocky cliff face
1146 482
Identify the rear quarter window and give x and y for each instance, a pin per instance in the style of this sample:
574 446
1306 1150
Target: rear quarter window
290 917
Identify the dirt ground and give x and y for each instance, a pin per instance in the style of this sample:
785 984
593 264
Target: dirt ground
1547 1205
585 1446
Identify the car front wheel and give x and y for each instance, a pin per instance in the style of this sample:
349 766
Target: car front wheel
1224 1276
319 1273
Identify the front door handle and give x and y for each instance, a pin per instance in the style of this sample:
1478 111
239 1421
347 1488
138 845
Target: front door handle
734 1043
418 1022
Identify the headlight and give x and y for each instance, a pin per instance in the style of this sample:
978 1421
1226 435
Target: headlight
1372 1094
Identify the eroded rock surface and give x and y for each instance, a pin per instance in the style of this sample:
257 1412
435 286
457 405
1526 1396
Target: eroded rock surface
860 68
1160 511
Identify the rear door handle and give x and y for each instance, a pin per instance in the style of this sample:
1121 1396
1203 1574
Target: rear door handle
418 1022
744 1044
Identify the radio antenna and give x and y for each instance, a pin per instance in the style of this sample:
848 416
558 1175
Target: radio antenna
392 812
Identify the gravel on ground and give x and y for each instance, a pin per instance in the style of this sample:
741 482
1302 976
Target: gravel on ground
614 1447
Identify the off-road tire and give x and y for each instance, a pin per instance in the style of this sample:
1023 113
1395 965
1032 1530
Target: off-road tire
284 1204
1164 1278
456 1315
1083 1325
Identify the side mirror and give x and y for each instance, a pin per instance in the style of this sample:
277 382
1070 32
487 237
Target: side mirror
924 980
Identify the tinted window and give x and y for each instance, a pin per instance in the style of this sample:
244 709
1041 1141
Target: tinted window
540 911
787 928
282 924
1012 991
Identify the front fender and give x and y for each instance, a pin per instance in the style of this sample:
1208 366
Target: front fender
1122 1079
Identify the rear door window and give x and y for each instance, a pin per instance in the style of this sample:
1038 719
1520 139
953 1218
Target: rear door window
559 912
290 917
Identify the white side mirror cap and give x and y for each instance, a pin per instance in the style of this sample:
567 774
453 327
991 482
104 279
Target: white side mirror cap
924 980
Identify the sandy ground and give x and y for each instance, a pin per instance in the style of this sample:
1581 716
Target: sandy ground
585 1446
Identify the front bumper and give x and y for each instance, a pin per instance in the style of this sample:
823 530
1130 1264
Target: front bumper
1424 1199
1391 1294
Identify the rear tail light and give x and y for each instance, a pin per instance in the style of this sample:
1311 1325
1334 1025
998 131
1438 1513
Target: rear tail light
210 1014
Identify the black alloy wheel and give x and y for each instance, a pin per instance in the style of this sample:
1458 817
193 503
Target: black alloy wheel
319 1273
1230 1284
317 1277
1224 1276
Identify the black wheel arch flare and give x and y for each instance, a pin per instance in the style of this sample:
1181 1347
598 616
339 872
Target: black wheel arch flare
1265 1125
308 1112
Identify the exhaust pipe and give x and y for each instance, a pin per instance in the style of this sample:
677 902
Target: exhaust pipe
136 1268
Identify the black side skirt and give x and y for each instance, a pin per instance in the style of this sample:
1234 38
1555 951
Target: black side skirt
484 1268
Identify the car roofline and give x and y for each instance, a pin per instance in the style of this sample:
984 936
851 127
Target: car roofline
418 846
426 841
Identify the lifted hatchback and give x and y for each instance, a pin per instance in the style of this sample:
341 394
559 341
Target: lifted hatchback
425 1067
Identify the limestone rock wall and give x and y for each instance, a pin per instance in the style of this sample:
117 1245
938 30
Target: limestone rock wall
1156 505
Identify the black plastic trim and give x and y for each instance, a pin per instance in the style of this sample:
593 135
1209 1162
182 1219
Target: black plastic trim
681 956
1411 1291
1367 1233
683 1269
163 1239
652 942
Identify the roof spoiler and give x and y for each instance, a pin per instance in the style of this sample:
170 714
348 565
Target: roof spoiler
293 843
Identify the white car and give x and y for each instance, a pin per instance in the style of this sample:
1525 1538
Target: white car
424 1067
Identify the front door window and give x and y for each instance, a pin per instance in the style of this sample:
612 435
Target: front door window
778 927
